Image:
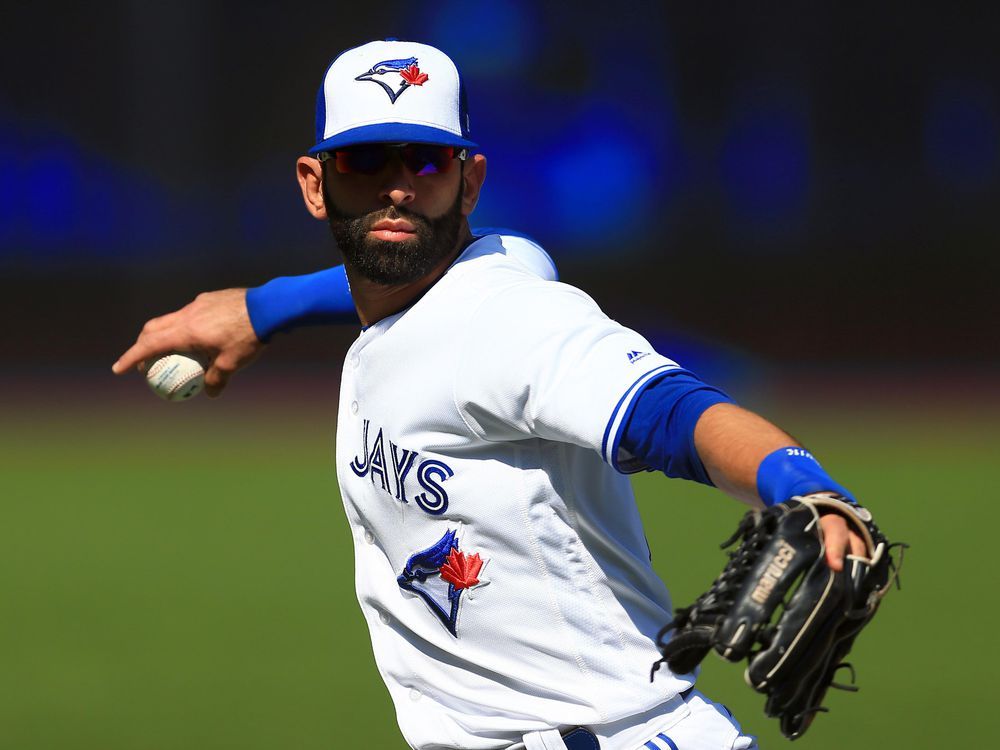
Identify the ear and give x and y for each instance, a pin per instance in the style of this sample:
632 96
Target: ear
310 174
473 177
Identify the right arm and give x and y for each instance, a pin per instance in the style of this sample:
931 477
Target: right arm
215 326
229 328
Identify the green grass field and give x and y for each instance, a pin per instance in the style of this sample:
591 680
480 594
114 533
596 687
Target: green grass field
180 576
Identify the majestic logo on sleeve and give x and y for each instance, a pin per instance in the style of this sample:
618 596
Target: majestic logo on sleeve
395 76
439 575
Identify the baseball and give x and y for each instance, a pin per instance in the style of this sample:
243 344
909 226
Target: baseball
176 377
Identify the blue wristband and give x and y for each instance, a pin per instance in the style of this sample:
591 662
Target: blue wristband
793 471
295 301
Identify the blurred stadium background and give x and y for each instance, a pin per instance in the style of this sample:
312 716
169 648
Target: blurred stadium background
799 202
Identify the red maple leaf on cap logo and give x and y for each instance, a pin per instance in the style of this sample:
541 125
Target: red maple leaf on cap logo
413 76
461 571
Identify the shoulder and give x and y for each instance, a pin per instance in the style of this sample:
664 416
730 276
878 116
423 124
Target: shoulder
516 308
504 293
524 249
519 248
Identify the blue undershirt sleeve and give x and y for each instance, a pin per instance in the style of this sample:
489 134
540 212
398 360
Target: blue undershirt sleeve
659 432
295 301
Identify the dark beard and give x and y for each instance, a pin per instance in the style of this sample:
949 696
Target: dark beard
391 263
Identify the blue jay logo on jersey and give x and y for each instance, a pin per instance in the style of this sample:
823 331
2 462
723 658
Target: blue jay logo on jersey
439 575
395 76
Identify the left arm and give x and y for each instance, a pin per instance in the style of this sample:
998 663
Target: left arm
689 429
733 444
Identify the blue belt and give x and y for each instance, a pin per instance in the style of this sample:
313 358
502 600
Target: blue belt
581 739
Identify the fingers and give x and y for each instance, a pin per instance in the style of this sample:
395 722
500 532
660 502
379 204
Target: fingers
840 540
215 382
154 339
146 347
837 540
218 374
215 325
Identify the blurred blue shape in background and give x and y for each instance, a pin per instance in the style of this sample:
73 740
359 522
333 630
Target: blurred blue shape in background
587 176
714 362
962 135
102 211
598 180
702 147
10 185
52 187
493 39
765 167
57 200
582 146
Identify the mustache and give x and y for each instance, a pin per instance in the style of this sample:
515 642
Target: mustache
392 213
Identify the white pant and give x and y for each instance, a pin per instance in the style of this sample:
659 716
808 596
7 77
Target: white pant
708 726
699 724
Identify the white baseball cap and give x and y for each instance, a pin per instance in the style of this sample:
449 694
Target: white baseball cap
391 92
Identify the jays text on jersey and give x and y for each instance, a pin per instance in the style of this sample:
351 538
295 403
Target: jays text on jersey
500 560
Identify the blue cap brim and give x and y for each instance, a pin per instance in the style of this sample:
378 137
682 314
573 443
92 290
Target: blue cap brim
392 132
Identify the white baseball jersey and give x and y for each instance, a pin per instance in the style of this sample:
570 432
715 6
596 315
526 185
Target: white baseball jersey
500 559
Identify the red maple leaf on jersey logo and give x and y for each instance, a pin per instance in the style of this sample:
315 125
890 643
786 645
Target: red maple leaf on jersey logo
461 571
413 76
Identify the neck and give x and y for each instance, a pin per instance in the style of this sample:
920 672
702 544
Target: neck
376 301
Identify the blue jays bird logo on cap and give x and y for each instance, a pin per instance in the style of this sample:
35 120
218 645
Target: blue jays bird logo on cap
387 70
439 575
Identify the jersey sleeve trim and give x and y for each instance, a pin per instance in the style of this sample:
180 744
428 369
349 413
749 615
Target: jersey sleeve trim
618 416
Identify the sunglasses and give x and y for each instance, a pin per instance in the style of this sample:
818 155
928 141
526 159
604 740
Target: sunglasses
420 158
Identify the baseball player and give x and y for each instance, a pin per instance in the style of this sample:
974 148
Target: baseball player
488 419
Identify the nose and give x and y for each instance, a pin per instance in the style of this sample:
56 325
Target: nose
397 186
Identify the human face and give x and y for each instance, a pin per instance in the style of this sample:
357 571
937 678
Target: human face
394 226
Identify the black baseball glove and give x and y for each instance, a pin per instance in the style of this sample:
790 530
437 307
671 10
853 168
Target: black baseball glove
780 566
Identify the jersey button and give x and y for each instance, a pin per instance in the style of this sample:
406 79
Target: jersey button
369 537
415 694
354 407
384 618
